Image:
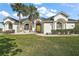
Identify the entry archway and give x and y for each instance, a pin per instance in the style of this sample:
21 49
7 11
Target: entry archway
9 25
38 27
61 23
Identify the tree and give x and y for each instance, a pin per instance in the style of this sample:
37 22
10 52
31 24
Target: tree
26 10
33 14
76 29
19 8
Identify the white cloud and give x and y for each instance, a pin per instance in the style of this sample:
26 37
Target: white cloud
44 12
49 14
52 10
4 13
15 14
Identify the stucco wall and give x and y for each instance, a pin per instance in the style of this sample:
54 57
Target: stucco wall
15 27
70 25
6 26
60 16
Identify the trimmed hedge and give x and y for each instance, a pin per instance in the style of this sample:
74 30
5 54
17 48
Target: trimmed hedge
0 30
63 31
9 31
76 30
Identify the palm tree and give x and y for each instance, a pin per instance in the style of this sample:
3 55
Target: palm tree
33 14
25 10
19 8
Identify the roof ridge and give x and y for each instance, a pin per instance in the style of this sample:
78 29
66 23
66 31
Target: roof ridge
10 18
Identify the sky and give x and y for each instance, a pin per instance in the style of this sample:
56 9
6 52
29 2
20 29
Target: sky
45 10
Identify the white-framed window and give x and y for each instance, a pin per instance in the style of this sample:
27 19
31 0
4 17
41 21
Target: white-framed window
26 27
10 26
59 25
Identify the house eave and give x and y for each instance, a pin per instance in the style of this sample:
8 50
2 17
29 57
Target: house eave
47 21
72 21
10 19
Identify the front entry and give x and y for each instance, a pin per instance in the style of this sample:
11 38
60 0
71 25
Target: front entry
38 27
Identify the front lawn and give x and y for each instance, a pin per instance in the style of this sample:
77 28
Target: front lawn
34 45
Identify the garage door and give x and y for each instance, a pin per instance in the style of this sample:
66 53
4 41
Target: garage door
47 28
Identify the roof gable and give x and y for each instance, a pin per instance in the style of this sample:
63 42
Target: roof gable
11 19
61 13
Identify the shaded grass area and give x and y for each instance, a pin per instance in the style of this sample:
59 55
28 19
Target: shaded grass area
8 47
23 45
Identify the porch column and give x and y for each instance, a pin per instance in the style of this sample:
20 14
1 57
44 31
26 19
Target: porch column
33 27
65 25
3 27
6 26
55 25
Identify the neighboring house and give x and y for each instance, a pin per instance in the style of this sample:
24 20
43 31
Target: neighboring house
59 21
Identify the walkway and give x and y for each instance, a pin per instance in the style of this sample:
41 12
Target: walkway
41 34
53 35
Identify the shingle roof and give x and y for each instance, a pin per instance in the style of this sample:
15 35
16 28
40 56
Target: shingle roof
24 19
11 19
72 20
51 18
63 13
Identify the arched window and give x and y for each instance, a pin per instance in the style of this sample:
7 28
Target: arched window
10 25
59 25
38 26
26 27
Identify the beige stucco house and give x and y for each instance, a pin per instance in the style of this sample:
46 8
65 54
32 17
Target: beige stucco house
59 21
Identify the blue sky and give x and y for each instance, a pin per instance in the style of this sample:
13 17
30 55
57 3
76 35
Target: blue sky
45 10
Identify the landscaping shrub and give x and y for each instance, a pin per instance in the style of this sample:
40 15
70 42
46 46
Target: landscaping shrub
0 30
63 31
76 29
54 31
9 31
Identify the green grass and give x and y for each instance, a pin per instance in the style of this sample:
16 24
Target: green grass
43 46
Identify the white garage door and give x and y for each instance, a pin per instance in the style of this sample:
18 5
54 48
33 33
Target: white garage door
47 28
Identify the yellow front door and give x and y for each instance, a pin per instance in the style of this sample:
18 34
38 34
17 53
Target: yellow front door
38 28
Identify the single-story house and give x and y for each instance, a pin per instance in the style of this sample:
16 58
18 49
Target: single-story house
59 21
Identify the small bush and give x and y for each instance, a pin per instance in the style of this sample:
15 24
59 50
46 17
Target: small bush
0 30
53 31
76 29
9 31
63 31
